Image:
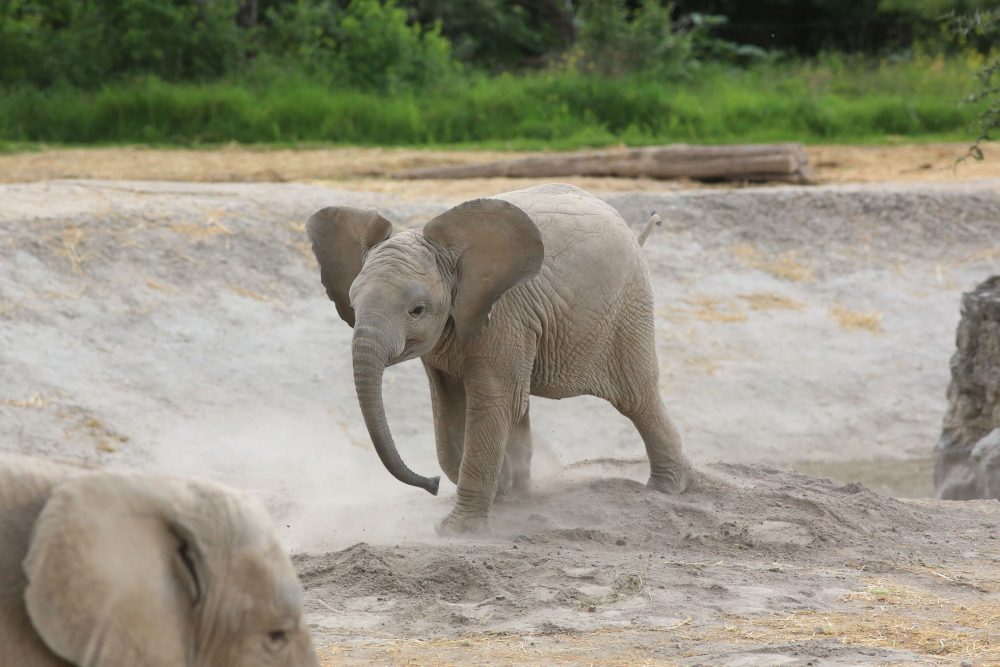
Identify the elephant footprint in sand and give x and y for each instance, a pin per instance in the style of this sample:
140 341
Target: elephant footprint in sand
542 291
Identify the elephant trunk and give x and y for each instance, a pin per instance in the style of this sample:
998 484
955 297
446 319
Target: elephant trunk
371 354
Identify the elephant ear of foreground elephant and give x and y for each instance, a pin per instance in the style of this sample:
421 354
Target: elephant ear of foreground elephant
128 570
494 243
112 571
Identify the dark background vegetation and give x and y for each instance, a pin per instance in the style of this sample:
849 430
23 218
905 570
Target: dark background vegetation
550 72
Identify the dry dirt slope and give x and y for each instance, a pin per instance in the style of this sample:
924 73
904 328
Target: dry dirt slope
180 327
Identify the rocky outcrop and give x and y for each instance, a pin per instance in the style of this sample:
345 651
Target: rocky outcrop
967 457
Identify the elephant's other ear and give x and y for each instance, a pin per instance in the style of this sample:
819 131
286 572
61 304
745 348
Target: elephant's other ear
340 236
113 574
498 247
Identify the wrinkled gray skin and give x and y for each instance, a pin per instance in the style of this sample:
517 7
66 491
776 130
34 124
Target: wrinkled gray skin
102 569
541 292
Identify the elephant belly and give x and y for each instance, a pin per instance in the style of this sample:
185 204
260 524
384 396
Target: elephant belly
592 352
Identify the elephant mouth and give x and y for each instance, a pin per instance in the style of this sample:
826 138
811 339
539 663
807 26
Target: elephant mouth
406 356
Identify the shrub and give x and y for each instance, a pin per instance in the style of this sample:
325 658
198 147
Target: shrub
86 43
369 44
615 40
982 24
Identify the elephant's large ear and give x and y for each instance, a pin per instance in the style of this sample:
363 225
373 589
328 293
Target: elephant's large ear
498 247
340 236
114 575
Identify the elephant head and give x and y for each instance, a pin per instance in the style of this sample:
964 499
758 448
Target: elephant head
403 294
133 570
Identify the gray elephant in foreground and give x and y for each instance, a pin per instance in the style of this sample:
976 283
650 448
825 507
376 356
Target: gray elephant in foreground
542 291
105 569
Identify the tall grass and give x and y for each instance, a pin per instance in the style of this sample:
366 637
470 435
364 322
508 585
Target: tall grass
827 100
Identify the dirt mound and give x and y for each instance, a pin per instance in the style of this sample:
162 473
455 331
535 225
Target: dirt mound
610 552
729 507
366 570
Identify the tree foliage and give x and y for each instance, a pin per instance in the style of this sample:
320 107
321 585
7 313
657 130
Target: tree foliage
84 43
368 44
982 24
394 44
499 34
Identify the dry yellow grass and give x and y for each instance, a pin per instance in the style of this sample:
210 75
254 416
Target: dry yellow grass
212 227
614 647
785 266
884 614
250 294
68 246
36 400
771 301
727 310
105 439
711 309
159 287
979 256
895 617
857 320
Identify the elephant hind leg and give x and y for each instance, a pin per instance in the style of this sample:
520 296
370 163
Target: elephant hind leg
635 392
669 470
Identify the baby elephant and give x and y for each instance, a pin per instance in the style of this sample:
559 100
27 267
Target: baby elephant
103 569
541 292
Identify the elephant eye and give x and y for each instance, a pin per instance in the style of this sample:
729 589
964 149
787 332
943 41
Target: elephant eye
417 310
276 640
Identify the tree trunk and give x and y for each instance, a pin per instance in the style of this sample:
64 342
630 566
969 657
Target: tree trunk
760 162
967 457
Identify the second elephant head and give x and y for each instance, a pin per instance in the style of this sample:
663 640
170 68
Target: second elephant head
409 293
122 569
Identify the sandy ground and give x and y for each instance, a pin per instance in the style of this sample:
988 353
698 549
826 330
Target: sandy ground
180 327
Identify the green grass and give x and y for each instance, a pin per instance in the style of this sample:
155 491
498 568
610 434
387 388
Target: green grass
824 101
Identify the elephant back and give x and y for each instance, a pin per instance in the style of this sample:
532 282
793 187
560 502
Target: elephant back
584 237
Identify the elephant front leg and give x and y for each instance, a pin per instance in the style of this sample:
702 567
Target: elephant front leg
489 424
448 404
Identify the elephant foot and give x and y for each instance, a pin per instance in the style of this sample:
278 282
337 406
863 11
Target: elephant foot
672 484
456 524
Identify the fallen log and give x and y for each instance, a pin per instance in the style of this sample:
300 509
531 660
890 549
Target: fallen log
755 162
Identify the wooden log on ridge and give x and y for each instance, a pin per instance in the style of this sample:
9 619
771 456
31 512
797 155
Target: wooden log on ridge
755 162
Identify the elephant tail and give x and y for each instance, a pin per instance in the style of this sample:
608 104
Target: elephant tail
654 221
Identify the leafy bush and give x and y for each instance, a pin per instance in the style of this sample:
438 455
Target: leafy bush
615 40
86 43
982 24
497 35
369 44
